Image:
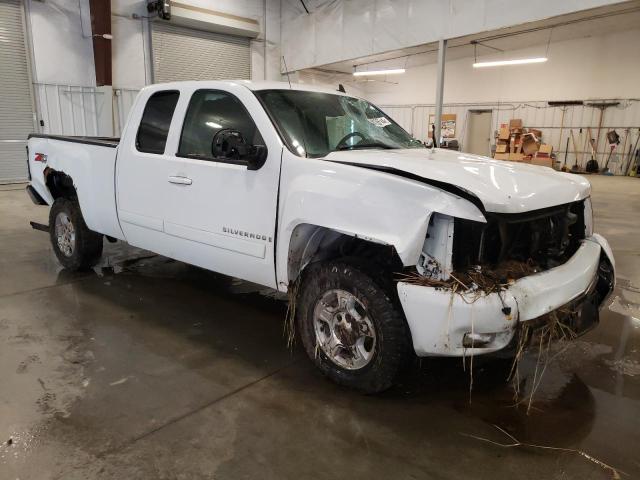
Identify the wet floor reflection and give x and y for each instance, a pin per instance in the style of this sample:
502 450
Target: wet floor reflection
145 367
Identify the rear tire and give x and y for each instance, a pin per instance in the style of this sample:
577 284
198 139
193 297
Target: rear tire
351 327
75 246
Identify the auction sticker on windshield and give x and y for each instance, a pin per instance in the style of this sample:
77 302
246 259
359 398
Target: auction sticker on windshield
379 121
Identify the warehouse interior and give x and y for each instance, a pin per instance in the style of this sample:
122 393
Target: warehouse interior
147 367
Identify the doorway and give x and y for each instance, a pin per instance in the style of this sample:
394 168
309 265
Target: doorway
479 132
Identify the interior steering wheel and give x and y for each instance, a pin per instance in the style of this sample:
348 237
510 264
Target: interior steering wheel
343 141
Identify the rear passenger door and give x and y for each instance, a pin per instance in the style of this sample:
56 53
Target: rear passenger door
141 170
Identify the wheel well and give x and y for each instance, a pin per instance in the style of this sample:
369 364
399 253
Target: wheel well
59 184
312 243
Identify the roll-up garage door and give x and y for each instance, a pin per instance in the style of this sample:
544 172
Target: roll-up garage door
16 108
185 54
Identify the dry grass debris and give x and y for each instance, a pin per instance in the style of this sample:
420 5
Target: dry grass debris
478 278
289 326
615 473
553 328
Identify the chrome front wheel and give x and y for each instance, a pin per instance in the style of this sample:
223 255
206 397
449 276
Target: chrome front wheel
344 331
350 325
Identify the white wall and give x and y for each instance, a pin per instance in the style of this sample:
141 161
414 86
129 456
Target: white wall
63 54
328 81
267 45
338 30
602 67
596 67
130 44
131 52
131 68
62 49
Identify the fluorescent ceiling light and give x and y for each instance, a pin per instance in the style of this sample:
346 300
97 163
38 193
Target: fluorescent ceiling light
520 61
393 71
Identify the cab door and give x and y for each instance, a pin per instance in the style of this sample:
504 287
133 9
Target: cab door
141 169
220 214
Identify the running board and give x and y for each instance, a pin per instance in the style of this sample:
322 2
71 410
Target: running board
39 226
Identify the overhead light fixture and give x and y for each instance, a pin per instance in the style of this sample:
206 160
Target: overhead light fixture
393 71
520 61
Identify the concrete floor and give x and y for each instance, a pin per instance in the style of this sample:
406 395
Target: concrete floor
149 368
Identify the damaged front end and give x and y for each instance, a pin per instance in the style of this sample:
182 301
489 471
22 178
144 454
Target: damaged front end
543 238
476 283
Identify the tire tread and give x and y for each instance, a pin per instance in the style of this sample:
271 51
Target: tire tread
366 282
89 244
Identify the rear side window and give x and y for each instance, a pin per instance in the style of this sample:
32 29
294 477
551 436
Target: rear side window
156 119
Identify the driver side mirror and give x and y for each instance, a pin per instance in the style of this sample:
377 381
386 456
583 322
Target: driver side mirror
256 156
230 144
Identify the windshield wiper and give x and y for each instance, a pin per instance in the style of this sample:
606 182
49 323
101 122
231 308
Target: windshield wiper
365 145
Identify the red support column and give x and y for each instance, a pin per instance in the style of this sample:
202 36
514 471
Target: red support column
100 26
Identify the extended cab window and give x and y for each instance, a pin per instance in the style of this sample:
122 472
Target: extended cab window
209 112
156 119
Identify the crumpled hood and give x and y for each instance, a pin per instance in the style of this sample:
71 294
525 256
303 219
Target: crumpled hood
502 187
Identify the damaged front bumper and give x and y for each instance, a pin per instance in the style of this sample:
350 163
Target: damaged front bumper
443 323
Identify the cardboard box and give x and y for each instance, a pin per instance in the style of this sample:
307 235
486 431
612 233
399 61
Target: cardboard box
501 156
504 133
515 123
545 148
516 157
542 161
518 146
501 148
530 144
536 132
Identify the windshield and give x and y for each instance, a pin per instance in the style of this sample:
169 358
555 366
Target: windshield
314 124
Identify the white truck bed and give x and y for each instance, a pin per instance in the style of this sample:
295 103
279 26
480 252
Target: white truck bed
93 171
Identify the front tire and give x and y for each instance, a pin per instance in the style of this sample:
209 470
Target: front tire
75 246
351 327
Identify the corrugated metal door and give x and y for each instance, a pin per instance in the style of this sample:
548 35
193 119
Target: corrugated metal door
185 54
16 107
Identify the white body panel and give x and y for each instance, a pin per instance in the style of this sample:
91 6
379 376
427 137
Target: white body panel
368 204
502 187
439 319
240 222
92 168
141 180
196 220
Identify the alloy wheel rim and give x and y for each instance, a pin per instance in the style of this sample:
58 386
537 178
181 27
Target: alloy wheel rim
344 331
65 234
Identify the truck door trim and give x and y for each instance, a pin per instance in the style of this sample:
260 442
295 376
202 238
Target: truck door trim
141 220
219 240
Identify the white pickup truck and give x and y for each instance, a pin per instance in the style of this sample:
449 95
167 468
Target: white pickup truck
382 243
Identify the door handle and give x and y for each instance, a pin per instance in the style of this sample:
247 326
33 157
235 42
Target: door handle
180 180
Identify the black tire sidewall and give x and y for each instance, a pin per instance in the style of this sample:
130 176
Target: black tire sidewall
392 334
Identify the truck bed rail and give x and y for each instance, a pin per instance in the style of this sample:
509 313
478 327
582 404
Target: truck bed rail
111 142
